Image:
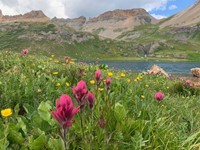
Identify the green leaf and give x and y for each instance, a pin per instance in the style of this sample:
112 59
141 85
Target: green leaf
120 112
44 110
56 144
21 124
14 135
38 143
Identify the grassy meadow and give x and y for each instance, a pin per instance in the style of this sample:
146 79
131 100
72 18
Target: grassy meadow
123 112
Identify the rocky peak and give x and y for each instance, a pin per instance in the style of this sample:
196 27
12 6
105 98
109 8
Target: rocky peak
120 15
35 14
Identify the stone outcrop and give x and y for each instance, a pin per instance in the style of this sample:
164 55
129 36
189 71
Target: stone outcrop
33 16
196 72
156 70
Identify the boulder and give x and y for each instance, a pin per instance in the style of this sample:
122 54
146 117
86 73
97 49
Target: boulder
196 72
157 70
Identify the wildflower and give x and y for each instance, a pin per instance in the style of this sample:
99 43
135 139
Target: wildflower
167 87
159 96
55 73
79 92
146 85
65 111
71 62
98 75
92 82
142 96
56 61
67 84
6 112
52 56
110 74
128 80
58 84
25 51
123 75
108 80
91 99
100 89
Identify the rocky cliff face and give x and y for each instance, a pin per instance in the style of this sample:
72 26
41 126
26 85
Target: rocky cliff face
33 16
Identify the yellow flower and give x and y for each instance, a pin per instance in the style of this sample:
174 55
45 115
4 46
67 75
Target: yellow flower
56 61
167 87
57 84
123 75
138 78
110 74
50 58
52 55
147 85
142 97
100 89
71 62
128 80
92 82
135 80
6 112
55 73
67 84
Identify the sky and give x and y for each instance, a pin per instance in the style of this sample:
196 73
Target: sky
92 8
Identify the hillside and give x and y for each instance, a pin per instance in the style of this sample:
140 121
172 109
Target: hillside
187 17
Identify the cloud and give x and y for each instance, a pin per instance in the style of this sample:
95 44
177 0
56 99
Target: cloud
172 7
158 16
76 8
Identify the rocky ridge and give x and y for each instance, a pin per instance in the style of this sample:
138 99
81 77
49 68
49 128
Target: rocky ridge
33 16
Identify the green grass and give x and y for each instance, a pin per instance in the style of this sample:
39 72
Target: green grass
124 116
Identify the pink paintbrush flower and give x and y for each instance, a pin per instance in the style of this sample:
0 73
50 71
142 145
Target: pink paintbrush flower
65 111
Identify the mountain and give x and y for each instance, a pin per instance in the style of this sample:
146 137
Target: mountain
33 16
110 24
187 17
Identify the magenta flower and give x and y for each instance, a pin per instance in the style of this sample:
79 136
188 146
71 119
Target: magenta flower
98 75
80 92
65 111
159 96
108 80
91 99
25 51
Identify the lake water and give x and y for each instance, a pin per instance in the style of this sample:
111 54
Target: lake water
169 67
